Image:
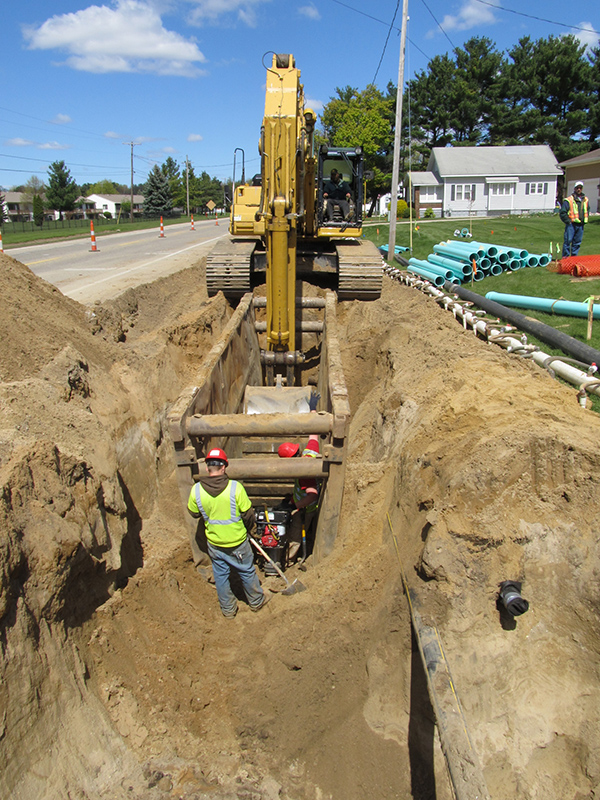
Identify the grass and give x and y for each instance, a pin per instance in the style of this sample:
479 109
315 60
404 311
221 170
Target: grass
533 234
12 234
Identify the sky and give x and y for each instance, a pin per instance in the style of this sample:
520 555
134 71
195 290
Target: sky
88 83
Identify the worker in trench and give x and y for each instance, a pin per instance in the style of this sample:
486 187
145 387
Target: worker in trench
305 499
225 508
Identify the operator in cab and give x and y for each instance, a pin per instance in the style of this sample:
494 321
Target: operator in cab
228 516
337 192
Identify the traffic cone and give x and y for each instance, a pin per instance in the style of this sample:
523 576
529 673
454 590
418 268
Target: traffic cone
192 222
1 245
161 235
216 219
94 249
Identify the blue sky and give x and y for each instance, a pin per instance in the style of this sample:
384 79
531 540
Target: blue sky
186 77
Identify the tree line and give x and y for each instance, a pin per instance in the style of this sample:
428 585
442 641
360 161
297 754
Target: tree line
167 187
545 91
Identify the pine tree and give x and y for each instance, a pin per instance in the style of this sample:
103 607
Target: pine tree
38 210
3 215
157 194
62 190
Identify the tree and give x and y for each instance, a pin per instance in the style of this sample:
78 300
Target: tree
475 89
38 210
593 129
104 187
62 190
170 169
430 96
3 214
157 194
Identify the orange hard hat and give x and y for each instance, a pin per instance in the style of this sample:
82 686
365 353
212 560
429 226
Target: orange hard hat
288 449
216 454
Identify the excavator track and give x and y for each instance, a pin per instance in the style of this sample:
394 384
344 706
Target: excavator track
360 270
228 268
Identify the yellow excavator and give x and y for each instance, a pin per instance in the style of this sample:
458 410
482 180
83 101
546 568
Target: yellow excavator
283 228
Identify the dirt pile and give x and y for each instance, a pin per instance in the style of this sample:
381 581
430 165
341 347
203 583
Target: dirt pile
120 677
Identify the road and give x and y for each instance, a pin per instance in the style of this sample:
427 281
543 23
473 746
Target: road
121 260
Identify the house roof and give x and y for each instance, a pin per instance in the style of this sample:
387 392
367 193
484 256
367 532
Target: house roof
15 197
118 198
490 161
593 157
422 179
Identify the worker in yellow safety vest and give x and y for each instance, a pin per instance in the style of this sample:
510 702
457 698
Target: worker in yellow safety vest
224 507
574 213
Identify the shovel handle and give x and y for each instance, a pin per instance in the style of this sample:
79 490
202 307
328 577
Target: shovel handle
270 560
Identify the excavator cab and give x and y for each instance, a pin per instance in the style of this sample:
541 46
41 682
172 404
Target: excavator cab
340 218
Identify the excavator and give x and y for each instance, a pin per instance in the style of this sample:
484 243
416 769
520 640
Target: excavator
280 224
252 391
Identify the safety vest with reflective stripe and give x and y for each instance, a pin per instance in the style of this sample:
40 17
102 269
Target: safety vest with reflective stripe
222 521
299 492
574 209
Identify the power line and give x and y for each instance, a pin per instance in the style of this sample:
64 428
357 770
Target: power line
439 24
387 38
531 16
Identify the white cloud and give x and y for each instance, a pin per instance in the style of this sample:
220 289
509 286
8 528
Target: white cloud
214 11
127 37
310 11
194 137
316 105
169 150
112 135
471 15
589 37
53 146
61 119
18 142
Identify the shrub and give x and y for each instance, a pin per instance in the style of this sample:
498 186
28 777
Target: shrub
402 209
429 214
107 215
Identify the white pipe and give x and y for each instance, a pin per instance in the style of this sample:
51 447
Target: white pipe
495 333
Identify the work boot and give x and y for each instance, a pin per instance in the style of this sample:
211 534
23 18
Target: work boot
266 599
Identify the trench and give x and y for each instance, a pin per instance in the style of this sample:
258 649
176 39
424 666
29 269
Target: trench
149 693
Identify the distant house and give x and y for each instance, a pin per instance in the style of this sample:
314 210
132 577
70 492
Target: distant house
98 204
17 208
486 181
584 168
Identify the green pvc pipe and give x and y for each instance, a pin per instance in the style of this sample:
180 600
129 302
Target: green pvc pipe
443 271
567 308
432 277
459 268
454 250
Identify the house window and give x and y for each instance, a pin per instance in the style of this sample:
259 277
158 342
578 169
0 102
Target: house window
460 191
536 188
502 188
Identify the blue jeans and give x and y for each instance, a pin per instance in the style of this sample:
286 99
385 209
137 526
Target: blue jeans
572 241
240 559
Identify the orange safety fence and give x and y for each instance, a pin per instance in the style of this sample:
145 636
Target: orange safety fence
580 266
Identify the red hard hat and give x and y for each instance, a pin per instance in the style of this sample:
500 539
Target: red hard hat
288 449
216 454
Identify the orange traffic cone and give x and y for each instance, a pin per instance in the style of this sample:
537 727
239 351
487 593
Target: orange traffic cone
192 222
94 249
216 219
1 245
161 235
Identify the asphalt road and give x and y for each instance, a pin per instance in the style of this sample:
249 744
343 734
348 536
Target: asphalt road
121 260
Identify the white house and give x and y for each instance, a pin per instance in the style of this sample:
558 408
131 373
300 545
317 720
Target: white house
486 181
584 168
111 203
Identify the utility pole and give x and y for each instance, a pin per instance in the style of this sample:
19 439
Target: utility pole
132 145
187 185
396 164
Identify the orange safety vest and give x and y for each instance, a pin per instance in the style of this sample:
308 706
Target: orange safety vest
574 209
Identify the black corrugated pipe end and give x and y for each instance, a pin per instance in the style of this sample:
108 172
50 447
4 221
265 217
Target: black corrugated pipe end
545 333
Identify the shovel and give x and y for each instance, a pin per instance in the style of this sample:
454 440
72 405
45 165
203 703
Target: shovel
291 588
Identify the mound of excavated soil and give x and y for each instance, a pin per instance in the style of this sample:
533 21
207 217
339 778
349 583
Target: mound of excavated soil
121 679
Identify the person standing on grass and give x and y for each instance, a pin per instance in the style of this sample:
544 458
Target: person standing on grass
574 213
229 519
